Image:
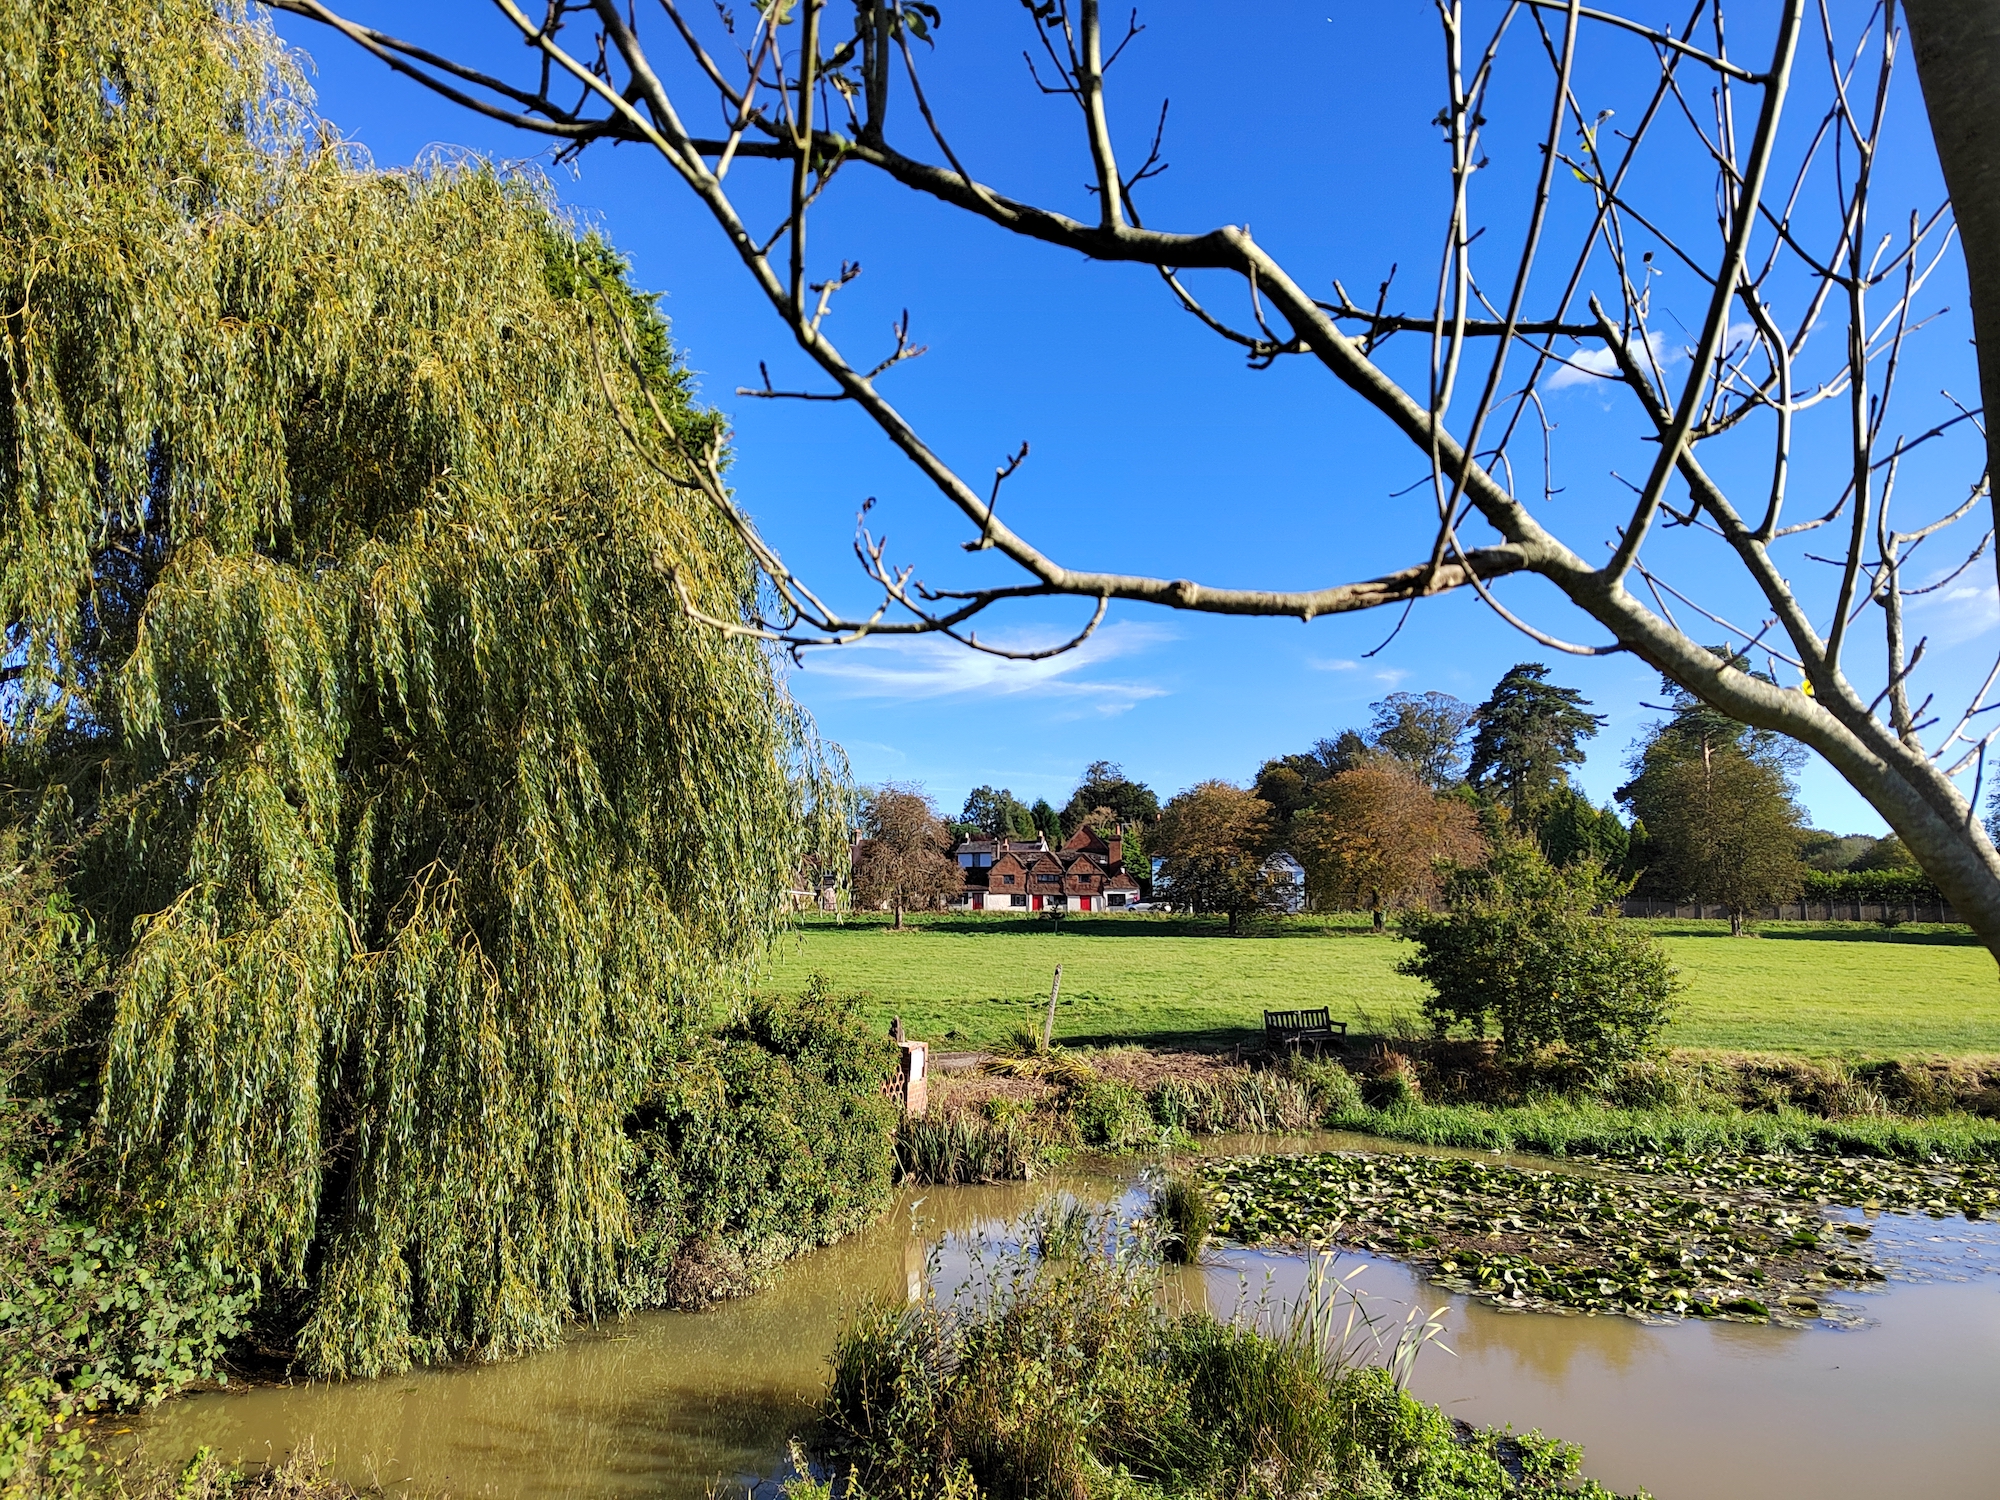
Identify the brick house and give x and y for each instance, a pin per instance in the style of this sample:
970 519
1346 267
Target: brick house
1008 874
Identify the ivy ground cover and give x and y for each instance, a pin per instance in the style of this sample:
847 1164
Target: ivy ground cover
1714 1236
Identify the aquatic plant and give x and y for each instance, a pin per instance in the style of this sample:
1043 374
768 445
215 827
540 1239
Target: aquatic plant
1184 1215
954 1149
1698 1237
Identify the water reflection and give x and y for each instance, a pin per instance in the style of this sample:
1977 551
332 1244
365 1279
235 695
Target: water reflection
667 1404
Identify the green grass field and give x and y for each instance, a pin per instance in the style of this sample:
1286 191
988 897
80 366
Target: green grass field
1811 989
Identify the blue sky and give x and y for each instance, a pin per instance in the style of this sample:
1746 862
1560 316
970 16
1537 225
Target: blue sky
1153 447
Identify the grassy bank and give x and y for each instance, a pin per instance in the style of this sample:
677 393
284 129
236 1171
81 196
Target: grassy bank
1069 1379
985 1128
1812 989
1564 1127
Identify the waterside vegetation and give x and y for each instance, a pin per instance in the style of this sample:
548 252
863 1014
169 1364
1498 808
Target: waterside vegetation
1065 1374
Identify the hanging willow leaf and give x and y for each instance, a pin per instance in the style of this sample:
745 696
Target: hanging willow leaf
343 618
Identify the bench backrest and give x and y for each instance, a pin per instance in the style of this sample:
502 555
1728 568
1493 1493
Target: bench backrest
1297 1020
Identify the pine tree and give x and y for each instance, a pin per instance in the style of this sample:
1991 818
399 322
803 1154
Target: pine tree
1530 733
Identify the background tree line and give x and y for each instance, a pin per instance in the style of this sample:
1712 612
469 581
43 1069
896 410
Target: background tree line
1376 817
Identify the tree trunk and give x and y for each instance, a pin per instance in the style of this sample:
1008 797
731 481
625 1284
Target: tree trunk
1377 912
1232 921
1956 45
1735 922
899 911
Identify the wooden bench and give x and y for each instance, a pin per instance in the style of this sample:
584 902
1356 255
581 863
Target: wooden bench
1292 1028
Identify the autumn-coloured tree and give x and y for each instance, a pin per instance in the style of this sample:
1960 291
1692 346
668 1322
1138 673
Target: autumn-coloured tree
1213 840
1375 836
901 859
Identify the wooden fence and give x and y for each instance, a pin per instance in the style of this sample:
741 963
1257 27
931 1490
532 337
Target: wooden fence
1805 911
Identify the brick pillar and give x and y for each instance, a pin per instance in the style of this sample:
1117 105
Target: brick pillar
914 1076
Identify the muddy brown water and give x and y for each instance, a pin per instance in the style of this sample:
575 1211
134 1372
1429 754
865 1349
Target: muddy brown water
687 1405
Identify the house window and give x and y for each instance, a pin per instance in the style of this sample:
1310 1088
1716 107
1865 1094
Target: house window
1048 880
1006 879
1114 899
1016 900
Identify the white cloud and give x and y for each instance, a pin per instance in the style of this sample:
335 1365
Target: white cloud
1600 363
916 667
1390 675
1961 613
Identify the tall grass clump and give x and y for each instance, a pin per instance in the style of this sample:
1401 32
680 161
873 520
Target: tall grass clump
955 1150
1185 1218
1064 1375
1296 1097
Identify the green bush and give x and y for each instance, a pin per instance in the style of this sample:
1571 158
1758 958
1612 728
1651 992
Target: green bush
1108 1115
1335 1091
767 1139
1521 950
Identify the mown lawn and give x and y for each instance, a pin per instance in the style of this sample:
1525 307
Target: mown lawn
1815 989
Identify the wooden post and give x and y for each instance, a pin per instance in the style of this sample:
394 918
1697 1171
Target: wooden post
1049 1026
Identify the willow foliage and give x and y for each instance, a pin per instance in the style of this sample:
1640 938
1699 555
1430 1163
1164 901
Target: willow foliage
341 613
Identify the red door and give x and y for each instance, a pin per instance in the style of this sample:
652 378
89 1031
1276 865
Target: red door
1036 903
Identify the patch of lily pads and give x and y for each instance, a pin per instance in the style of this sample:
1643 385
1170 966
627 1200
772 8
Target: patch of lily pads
1738 1238
1935 1188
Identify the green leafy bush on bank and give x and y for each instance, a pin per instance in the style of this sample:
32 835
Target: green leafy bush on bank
96 1314
1069 1379
769 1139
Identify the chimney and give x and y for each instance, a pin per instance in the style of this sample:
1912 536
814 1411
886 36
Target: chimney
1117 855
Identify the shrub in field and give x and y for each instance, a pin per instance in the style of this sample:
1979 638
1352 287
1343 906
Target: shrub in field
1522 951
769 1138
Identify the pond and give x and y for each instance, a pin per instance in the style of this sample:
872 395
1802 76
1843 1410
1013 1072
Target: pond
667 1404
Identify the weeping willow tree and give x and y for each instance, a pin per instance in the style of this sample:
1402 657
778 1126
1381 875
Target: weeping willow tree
342 632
